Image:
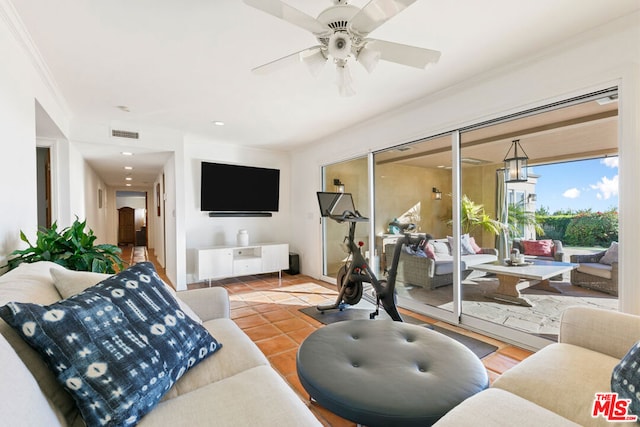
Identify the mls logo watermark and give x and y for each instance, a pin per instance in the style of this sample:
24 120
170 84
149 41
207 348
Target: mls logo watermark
612 408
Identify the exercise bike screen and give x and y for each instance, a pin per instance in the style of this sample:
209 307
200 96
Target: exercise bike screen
335 203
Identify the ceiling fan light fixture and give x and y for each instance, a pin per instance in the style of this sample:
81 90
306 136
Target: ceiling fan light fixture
314 61
368 58
344 81
339 45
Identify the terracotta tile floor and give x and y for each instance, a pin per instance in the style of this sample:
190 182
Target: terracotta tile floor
267 309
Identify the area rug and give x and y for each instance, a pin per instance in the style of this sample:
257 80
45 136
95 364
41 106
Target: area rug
364 308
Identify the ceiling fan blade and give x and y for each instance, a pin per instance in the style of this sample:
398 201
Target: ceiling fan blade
376 13
290 14
285 61
412 56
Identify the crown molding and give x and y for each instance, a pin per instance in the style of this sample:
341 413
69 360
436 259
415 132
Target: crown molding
14 23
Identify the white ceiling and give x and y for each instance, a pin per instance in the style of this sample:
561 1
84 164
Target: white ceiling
184 64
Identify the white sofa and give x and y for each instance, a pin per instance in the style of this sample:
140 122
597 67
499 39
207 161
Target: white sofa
556 386
235 386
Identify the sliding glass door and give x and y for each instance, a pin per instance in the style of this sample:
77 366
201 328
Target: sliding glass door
454 188
549 178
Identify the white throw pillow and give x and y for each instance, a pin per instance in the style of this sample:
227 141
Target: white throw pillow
70 282
611 255
465 244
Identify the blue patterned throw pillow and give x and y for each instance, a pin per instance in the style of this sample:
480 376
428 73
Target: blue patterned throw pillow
625 379
117 347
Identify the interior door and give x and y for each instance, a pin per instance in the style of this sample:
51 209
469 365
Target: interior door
126 226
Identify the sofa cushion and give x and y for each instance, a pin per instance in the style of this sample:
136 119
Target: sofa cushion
611 255
32 282
595 269
625 379
22 403
240 354
116 347
562 378
70 282
256 397
496 407
538 247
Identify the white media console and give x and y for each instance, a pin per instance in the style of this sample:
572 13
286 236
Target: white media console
217 262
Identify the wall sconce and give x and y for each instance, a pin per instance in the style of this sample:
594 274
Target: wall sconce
532 197
515 168
436 194
338 186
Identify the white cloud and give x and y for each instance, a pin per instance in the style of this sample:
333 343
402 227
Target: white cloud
572 193
606 187
610 162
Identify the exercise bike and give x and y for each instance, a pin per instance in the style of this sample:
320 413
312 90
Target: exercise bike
356 270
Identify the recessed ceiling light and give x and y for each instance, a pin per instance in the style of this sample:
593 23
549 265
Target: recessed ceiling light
218 123
128 185
128 178
129 168
126 153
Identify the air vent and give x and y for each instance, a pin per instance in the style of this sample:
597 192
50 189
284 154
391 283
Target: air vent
338 25
125 134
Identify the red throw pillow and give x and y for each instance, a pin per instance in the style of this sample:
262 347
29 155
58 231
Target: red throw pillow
538 247
477 249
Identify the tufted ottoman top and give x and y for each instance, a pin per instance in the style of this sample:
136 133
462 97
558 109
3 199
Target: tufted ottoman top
386 373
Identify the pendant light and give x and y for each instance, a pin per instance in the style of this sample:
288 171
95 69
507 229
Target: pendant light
515 167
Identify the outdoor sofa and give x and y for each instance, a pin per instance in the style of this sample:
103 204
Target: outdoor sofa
435 269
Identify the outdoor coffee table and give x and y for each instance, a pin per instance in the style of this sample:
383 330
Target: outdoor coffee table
510 275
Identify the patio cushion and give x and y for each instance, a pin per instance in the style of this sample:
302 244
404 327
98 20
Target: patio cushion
595 269
538 247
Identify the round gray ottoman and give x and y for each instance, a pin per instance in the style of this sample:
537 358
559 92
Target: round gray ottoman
386 373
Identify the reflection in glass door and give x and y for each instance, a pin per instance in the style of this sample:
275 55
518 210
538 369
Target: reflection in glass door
348 177
413 190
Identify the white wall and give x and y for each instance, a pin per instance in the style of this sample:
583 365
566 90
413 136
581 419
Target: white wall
599 59
203 231
20 86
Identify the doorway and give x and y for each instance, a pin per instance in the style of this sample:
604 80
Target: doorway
132 218
43 158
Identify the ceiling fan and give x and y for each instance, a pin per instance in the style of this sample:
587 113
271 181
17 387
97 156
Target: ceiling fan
341 31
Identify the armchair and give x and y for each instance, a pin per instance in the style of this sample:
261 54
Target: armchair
593 274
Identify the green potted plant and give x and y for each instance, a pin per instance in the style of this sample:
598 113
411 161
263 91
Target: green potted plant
72 248
472 216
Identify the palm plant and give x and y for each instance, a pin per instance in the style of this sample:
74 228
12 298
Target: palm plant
72 248
473 216
518 218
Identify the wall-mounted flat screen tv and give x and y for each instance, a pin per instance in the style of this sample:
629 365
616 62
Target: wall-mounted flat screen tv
235 188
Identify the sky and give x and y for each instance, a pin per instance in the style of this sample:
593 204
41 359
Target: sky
578 185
